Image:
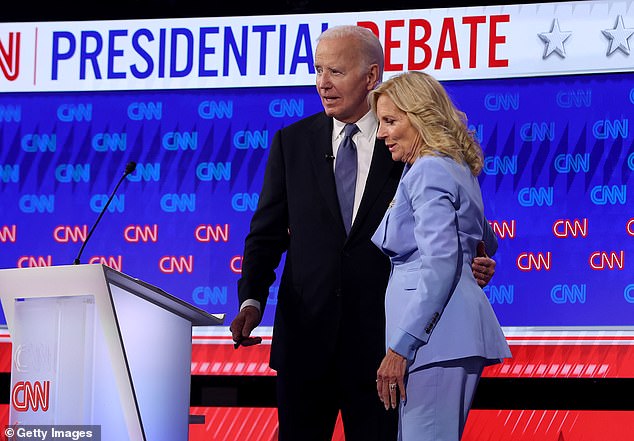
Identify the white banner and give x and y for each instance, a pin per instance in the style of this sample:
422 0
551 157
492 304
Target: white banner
221 52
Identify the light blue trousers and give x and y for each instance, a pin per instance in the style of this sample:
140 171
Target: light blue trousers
439 397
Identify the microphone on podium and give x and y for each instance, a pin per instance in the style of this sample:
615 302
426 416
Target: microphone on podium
129 168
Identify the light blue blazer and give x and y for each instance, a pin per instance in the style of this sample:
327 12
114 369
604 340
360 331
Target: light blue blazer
435 310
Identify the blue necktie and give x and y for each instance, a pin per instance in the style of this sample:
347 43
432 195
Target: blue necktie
346 174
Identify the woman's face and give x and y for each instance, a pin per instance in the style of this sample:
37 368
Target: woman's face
396 130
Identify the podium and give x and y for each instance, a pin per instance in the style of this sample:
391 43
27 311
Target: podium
92 346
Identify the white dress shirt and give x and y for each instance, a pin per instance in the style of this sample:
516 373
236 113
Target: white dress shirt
364 140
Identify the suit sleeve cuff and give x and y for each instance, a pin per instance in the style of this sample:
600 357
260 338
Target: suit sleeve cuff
405 344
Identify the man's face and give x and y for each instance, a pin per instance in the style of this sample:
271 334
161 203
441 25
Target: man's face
343 82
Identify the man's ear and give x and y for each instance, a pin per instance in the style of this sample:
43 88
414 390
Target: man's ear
373 76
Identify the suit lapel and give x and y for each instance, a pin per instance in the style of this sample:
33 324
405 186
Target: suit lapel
380 169
322 158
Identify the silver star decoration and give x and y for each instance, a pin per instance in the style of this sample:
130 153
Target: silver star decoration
619 37
554 40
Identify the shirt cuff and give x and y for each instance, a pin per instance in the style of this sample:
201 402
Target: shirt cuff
250 302
405 344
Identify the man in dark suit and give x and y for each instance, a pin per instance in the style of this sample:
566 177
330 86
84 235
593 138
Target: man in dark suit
329 330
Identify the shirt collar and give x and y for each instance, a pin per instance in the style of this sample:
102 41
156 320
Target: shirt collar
368 126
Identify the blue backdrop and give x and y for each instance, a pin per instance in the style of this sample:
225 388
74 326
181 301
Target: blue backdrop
559 161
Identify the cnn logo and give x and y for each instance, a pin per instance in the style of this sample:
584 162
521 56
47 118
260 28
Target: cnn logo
30 396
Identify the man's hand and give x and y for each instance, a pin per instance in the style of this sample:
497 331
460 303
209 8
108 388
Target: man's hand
241 326
483 266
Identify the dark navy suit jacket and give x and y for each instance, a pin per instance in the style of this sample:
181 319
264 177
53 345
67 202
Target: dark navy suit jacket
332 288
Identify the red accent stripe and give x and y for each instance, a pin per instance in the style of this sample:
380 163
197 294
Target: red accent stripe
224 337
249 424
570 337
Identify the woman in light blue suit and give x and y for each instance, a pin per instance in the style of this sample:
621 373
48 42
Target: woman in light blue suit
440 328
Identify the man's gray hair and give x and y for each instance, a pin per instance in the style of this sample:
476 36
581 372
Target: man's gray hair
372 51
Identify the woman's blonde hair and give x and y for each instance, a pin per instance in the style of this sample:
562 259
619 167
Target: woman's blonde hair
441 126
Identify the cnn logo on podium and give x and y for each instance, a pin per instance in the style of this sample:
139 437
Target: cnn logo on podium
27 395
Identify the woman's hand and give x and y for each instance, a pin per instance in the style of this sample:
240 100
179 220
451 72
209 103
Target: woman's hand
389 377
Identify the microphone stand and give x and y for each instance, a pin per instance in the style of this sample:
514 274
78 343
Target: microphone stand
130 167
